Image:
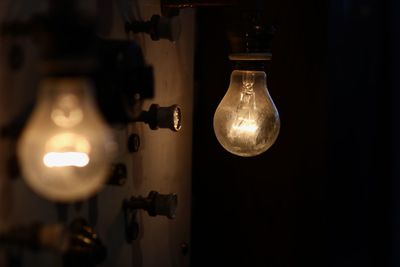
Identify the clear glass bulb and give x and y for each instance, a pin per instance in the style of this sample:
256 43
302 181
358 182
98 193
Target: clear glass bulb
246 122
66 149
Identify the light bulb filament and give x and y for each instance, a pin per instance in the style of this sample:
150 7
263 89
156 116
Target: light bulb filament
66 159
246 126
67 119
248 80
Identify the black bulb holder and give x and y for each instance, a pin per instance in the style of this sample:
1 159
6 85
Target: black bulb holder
251 42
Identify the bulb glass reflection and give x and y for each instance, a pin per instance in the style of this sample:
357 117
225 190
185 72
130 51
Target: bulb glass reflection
246 122
66 149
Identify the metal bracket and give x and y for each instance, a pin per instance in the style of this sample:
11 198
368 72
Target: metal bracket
155 204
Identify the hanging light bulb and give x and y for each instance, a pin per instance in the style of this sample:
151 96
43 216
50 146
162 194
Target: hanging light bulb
66 148
246 122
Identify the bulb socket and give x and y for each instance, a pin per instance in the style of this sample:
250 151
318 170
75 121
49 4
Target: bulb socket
162 117
251 42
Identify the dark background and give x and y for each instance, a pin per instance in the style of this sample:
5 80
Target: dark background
326 193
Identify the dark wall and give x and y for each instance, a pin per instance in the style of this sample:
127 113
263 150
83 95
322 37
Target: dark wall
324 194
359 207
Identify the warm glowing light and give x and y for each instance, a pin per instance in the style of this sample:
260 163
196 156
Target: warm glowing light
68 142
67 114
66 149
66 159
246 122
244 127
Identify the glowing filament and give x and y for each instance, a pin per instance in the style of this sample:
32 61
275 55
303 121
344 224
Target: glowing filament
246 122
245 127
66 159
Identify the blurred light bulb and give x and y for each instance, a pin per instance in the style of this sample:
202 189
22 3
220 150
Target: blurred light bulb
66 149
246 122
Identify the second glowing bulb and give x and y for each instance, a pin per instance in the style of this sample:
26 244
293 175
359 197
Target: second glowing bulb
66 148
